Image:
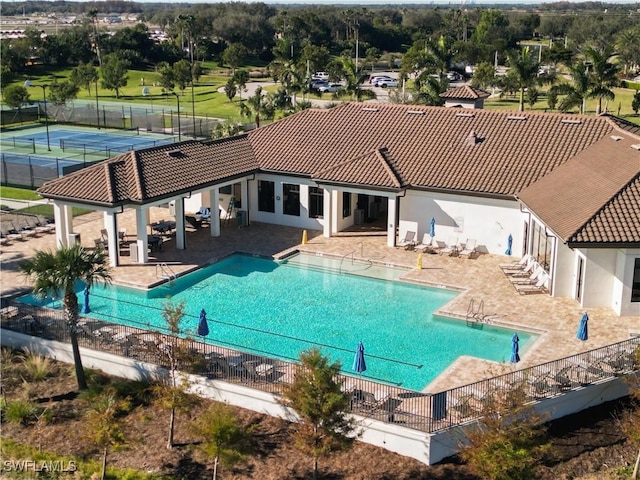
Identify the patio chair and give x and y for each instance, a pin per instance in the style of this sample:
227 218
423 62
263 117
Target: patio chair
20 228
469 248
531 279
451 248
563 380
428 243
538 287
520 268
409 239
33 224
44 222
520 264
10 232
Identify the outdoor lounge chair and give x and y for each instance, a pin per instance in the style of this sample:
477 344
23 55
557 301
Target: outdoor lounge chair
520 269
33 224
538 287
427 243
519 265
531 279
469 248
452 247
10 233
25 230
44 222
409 239
563 379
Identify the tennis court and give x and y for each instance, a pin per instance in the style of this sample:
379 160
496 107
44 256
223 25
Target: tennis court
31 156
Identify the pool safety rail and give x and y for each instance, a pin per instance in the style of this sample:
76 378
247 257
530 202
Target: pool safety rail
427 412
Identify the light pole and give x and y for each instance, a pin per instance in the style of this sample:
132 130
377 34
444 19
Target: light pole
97 108
178 99
28 83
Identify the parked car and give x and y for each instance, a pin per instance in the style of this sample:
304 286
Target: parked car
373 79
320 76
386 82
329 87
454 76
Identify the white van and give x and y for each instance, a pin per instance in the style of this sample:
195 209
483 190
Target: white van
320 76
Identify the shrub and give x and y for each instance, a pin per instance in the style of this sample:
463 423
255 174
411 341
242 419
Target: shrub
21 412
37 368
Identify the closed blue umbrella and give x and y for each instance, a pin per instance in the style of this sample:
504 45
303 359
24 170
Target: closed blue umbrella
359 365
203 327
515 357
509 245
583 331
432 228
85 307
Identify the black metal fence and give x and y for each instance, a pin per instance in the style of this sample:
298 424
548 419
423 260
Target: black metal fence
428 412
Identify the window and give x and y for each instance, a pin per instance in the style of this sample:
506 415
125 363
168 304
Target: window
541 246
346 204
226 190
266 196
291 198
316 202
635 286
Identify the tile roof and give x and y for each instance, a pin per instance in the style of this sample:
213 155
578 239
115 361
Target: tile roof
389 146
465 92
430 144
155 173
375 168
595 197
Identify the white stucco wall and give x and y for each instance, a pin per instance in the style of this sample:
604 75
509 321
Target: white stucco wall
622 281
489 221
278 217
599 268
565 269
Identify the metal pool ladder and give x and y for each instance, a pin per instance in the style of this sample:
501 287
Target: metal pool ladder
165 272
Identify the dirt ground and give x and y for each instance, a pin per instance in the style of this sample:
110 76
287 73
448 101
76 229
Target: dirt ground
586 446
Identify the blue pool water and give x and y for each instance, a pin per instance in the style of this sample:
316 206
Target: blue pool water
281 309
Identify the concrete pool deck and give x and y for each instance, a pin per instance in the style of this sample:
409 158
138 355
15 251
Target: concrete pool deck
480 279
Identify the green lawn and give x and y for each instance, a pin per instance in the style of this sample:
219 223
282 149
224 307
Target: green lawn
19 193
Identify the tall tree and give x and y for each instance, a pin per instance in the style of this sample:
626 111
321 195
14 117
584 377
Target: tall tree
234 55
603 74
354 79
56 273
62 92
628 47
524 68
182 74
317 398
84 75
574 93
114 72
15 96
258 106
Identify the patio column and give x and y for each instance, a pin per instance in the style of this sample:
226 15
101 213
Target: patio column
63 222
214 220
244 198
392 222
111 225
142 220
180 228
326 213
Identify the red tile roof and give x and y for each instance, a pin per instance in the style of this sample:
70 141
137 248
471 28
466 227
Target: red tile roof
593 198
388 146
465 92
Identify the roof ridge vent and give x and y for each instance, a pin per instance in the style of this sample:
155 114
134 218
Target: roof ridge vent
516 117
370 109
570 121
616 138
636 146
416 112
465 115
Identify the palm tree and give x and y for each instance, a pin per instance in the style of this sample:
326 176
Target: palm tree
353 79
524 70
258 105
603 75
59 272
576 92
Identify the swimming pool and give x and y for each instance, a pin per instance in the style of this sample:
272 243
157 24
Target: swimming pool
282 308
